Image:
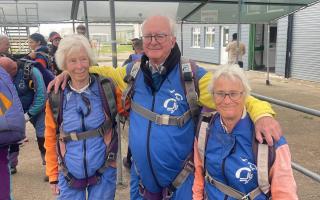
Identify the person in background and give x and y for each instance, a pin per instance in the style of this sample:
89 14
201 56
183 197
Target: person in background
161 145
12 127
138 51
32 94
4 46
233 51
54 38
81 29
228 144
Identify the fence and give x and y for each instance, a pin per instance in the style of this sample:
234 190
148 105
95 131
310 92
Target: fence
299 108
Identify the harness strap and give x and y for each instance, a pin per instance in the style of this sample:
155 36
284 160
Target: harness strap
67 137
168 191
263 168
111 153
231 191
184 173
161 119
127 93
188 74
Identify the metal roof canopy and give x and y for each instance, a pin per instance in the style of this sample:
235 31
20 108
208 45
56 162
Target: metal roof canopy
13 12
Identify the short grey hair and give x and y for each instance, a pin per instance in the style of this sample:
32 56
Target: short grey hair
172 23
233 72
70 44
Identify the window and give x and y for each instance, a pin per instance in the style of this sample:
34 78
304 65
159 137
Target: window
195 37
209 37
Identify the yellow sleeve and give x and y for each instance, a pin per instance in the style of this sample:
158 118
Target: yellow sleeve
116 74
256 108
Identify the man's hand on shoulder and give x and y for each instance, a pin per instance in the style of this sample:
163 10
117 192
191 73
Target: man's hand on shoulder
267 127
61 79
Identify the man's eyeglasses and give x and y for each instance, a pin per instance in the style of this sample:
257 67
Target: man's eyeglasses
234 96
160 38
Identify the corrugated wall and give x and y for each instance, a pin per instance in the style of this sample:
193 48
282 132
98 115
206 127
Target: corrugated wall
200 54
205 54
306 44
281 46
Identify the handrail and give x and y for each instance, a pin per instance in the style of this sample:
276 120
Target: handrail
303 109
296 107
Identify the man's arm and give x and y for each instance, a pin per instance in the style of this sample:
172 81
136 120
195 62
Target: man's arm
116 74
260 112
40 95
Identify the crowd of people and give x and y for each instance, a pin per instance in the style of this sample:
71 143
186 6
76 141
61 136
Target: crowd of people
192 133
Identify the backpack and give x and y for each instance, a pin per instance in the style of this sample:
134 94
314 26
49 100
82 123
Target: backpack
12 124
27 66
107 92
264 156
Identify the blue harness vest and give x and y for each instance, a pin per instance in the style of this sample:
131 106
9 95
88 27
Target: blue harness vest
229 158
159 151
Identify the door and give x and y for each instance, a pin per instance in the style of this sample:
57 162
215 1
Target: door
224 40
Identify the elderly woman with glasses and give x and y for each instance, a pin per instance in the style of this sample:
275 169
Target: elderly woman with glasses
80 132
227 147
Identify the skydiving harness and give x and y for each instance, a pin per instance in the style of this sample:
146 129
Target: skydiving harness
188 70
107 93
263 154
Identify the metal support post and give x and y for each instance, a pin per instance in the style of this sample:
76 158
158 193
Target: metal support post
267 54
119 157
86 18
113 34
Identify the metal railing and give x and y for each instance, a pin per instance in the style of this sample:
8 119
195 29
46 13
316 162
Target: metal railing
299 108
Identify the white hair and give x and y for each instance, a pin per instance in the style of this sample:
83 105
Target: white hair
71 44
233 72
171 22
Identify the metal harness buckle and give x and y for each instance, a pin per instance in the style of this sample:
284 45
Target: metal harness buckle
162 119
74 136
246 197
111 156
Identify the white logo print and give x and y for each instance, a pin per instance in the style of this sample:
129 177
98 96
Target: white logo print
245 174
171 104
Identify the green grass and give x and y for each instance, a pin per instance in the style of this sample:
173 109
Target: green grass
120 49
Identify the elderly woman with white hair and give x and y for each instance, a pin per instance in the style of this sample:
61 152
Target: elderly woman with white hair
235 167
80 128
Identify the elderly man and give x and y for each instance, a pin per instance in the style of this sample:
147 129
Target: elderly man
162 131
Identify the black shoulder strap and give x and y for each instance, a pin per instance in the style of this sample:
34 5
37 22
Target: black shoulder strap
107 91
191 86
56 101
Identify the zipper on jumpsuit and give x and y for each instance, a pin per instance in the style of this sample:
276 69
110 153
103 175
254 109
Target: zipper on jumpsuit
84 148
148 144
224 167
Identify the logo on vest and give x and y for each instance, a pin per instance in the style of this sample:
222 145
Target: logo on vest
245 174
171 104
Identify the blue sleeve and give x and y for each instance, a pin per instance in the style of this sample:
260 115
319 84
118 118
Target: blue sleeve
40 95
200 72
